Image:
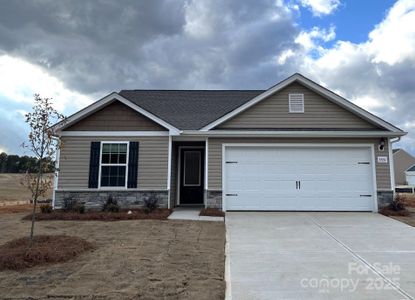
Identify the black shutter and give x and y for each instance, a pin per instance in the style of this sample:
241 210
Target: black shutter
94 165
132 165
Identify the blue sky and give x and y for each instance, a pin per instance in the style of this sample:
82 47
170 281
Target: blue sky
68 50
353 19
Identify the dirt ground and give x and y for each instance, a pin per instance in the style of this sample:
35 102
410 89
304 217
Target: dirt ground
11 190
140 259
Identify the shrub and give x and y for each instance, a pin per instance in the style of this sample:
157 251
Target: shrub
72 205
150 203
46 208
69 204
111 205
398 203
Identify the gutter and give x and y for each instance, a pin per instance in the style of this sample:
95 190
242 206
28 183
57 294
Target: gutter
271 133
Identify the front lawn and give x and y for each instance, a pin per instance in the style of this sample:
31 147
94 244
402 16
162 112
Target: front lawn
136 259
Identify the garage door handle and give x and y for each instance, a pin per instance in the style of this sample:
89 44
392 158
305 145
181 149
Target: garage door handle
365 195
231 194
363 163
231 162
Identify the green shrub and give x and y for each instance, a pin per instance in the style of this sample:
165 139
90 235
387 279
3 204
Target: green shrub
46 208
150 204
111 205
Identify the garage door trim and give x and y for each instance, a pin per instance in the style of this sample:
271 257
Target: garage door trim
301 145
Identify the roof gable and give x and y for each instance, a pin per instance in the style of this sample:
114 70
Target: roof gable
91 109
329 95
115 116
319 113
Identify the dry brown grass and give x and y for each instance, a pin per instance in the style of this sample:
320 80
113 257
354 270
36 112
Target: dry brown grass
390 212
139 259
211 212
16 209
137 214
46 249
11 190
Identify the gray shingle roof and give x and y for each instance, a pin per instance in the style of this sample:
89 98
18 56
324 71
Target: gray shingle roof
395 150
189 109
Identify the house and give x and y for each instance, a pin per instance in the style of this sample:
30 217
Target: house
410 176
295 146
402 160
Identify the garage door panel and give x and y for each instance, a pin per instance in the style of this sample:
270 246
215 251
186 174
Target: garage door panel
264 178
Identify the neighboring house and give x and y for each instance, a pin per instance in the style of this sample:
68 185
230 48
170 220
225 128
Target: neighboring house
402 160
295 146
410 175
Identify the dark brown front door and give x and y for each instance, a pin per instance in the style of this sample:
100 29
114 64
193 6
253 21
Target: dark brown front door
191 175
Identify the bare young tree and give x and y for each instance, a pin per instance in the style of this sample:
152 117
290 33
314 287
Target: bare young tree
43 145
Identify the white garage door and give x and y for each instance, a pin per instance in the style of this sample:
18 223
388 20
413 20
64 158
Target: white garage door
287 178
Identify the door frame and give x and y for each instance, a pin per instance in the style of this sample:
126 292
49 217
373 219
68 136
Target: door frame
179 171
303 145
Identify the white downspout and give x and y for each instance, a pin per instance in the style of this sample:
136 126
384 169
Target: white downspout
56 173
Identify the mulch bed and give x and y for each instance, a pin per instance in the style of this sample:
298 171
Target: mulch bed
16 254
137 214
389 212
211 212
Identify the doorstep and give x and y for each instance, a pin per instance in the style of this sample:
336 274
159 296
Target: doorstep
184 213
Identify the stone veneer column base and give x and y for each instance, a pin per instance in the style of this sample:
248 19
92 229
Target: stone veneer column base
384 198
94 200
214 199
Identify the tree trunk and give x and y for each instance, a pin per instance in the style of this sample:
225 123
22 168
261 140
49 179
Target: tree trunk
39 176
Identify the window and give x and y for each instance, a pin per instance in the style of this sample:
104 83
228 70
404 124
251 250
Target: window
192 165
113 166
296 103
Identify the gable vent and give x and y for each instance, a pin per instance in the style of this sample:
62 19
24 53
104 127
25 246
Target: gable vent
296 103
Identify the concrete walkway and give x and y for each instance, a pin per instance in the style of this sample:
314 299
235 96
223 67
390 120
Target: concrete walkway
288 255
182 213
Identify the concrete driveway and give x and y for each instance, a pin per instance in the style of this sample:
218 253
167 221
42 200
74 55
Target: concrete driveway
289 255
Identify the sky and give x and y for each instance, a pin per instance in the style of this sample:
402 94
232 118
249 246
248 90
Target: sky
79 51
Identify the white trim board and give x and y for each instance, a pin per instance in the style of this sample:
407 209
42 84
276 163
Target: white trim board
315 87
105 101
303 145
291 133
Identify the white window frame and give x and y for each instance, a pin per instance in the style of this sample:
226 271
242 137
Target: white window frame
184 168
101 165
290 106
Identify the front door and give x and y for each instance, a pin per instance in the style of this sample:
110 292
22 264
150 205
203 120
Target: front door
191 175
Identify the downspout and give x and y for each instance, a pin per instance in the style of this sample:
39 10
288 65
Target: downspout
56 173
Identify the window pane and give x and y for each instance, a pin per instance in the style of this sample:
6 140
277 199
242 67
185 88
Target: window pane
113 176
114 148
105 148
191 168
114 158
122 159
123 148
105 158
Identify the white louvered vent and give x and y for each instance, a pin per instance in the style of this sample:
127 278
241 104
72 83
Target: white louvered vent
296 103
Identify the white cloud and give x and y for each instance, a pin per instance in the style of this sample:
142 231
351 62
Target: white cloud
20 80
311 39
393 41
321 7
376 74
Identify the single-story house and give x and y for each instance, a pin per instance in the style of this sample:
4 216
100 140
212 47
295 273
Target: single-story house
410 176
402 161
296 146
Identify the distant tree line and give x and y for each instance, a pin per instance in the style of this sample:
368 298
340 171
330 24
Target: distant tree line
21 164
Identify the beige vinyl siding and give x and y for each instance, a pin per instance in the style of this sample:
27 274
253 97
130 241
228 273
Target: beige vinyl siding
401 162
273 112
152 161
116 117
215 156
